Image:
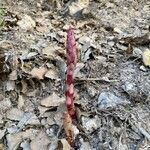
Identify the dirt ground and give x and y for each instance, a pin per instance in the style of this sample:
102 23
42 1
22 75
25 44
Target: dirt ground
112 77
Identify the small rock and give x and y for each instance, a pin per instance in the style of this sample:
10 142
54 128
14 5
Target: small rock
117 30
101 59
53 145
91 91
51 132
124 48
12 128
84 145
10 85
89 124
26 23
75 130
66 27
14 114
85 40
137 52
111 43
146 57
143 68
108 99
31 55
43 122
130 88
25 145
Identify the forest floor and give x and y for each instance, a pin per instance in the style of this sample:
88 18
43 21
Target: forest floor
112 77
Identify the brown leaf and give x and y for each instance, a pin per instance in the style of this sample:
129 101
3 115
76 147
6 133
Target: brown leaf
13 75
52 74
38 72
51 51
52 101
26 23
40 142
64 145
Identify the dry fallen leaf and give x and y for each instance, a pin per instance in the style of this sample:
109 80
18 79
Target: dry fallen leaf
146 57
84 3
13 75
2 146
64 145
77 6
51 50
52 101
38 72
14 140
77 72
52 74
26 23
2 133
14 114
40 142
21 101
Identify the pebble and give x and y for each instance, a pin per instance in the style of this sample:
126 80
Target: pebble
111 43
137 52
90 124
108 99
91 91
143 68
130 88
124 48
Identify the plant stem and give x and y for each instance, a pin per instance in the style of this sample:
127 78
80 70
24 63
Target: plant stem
71 65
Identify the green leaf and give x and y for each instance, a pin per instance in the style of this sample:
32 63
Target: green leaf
2 14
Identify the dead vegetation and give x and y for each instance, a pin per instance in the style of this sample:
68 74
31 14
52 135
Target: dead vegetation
112 75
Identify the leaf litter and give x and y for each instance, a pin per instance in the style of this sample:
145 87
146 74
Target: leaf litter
111 78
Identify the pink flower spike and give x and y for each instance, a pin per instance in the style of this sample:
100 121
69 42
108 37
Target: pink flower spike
71 52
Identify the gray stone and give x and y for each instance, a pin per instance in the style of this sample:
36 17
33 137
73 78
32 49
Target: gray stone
137 52
122 47
91 91
90 124
130 88
108 99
